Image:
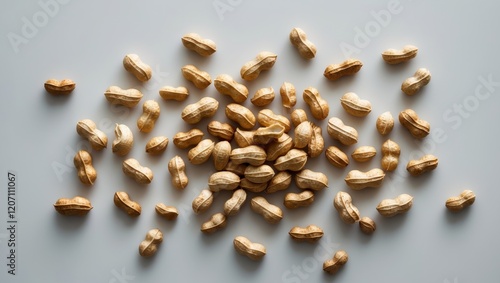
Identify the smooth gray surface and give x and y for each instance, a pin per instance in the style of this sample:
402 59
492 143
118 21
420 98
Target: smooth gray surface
86 41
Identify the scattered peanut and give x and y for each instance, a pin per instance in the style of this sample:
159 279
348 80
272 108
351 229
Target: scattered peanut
333 265
199 78
306 48
390 155
124 140
232 206
392 207
167 212
271 213
126 97
293 160
78 206
244 138
336 157
241 115
123 201
311 233
174 93
367 225
204 108
318 106
385 123
203 201
279 147
87 129
254 251
194 42
57 87
265 135
238 169
418 128
293 200
307 179
83 164
279 182
364 153
226 85
132 168
220 154
347 68
252 154
413 84
223 180
177 170
134 65
157 145
267 118
465 199
263 97
393 56
288 95
149 246
426 163
317 143
263 61
347 211
201 152
184 140
251 186
358 180
298 116
215 223
259 174
303 133
338 130
354 105
223 131
150 113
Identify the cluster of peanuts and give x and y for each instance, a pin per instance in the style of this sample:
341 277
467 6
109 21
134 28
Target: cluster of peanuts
265 159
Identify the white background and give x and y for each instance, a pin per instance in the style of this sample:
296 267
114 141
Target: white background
86 41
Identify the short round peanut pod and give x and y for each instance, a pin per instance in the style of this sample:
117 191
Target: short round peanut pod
123 201
157 145
177 170
223 131
263 61
204 108
149 246
354 105
280 181
199 78
306 48
259 174
293 200
174 93
223 180
87 129
263 97
303 133
132 168
83 164
333 265
367 225
413 84
201 152
134 65
308 179
226 85
215 223
124 140
385 123
267 118
184 140
298 116
241 115
425 164
293 160
318 106
364 153
390 155
271 213
220 154
417 127
232 206
288 95
336 157
203 46
254 251
167 212
338 130
150 113
203 201
346 209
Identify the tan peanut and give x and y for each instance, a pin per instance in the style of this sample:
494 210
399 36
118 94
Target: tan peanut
241 115
244 138
203 201
252 154
426 163
412 85
226 85
184 140
77 206
417 127
349 67
311 233
199 78
249 186
223 180
87 129
215 223
166 211
385 123
392 207
390 155
317 143
271 213
298 116
293 160
83 164
280 181
364 153
259 174
132 168
367 225
308 179
302 134
126 97
318 106
465 199
149 246
204 108
124 140
347 211
354 105
293 200
263 97
150 113
288 95
203 46
254 251
57 87
201 152
338 130
123 201
238 169
358 180
266 118
177 170
333 265
174 93
279 147
336 157
306 48
134 65
394 56
232 205
263 61
265 135
223 131
220 154
157 145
